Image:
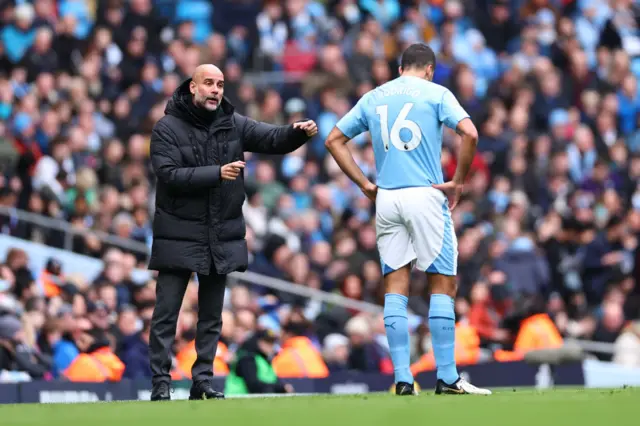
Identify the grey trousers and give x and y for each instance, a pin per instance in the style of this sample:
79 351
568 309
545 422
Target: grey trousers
170 289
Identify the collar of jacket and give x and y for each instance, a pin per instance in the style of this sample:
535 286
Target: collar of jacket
179 106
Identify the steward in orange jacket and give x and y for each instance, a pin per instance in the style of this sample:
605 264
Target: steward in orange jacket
51 284
298 358
187 356
536 332
97 363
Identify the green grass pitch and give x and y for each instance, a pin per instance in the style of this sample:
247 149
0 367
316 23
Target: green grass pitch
562 407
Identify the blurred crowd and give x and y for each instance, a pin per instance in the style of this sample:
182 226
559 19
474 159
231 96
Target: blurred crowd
548 228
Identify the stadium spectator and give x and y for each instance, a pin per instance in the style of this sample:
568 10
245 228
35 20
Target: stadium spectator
17 353
134 348
336 352
252 372
298 357
20 35
365 354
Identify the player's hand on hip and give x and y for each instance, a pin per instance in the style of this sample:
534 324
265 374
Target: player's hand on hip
232 170
310 127
370 190
452 190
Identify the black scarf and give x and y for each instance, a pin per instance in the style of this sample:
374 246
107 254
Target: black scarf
203 116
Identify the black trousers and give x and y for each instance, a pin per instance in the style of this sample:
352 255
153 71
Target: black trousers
170 289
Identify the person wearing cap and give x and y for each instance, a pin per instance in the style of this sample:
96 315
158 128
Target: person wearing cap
252 372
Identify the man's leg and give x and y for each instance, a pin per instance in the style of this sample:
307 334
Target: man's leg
396 323
396 258
437 247
442 324
170 289
210 302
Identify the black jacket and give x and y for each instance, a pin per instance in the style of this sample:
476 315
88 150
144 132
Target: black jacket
22 358
247 369
198 223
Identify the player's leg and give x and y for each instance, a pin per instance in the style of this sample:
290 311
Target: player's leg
397 327
437 247
396 258
442 325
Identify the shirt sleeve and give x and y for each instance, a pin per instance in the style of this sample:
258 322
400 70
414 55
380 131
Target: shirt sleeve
354 122
451 112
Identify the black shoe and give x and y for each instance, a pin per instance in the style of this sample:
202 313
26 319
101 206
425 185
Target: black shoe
405 389
203 390
459 387
161 392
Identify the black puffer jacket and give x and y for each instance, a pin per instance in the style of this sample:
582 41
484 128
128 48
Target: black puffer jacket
198 223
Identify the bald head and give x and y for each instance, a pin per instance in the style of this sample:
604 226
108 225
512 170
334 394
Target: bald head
206 70
207 86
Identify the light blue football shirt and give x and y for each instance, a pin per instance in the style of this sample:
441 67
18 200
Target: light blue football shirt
405 118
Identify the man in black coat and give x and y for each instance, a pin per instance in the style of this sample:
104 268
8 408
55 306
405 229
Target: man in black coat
197 155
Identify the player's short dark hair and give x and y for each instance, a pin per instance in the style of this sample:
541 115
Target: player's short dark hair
418 55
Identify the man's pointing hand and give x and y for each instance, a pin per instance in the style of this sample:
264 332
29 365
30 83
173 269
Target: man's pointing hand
232 170
309 126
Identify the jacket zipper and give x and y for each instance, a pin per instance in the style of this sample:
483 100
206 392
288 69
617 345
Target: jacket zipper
196 153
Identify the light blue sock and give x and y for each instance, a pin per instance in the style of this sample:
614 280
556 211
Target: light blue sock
397 327
442 323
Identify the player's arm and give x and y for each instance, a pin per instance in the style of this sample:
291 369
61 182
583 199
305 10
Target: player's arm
469 134
336 143
455 117
350 126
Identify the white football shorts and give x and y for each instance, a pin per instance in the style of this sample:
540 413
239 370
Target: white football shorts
414 225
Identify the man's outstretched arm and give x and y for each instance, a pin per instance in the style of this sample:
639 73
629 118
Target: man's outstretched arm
265 138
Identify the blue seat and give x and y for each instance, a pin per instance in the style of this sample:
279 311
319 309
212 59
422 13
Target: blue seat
80 10
635 67
199 12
